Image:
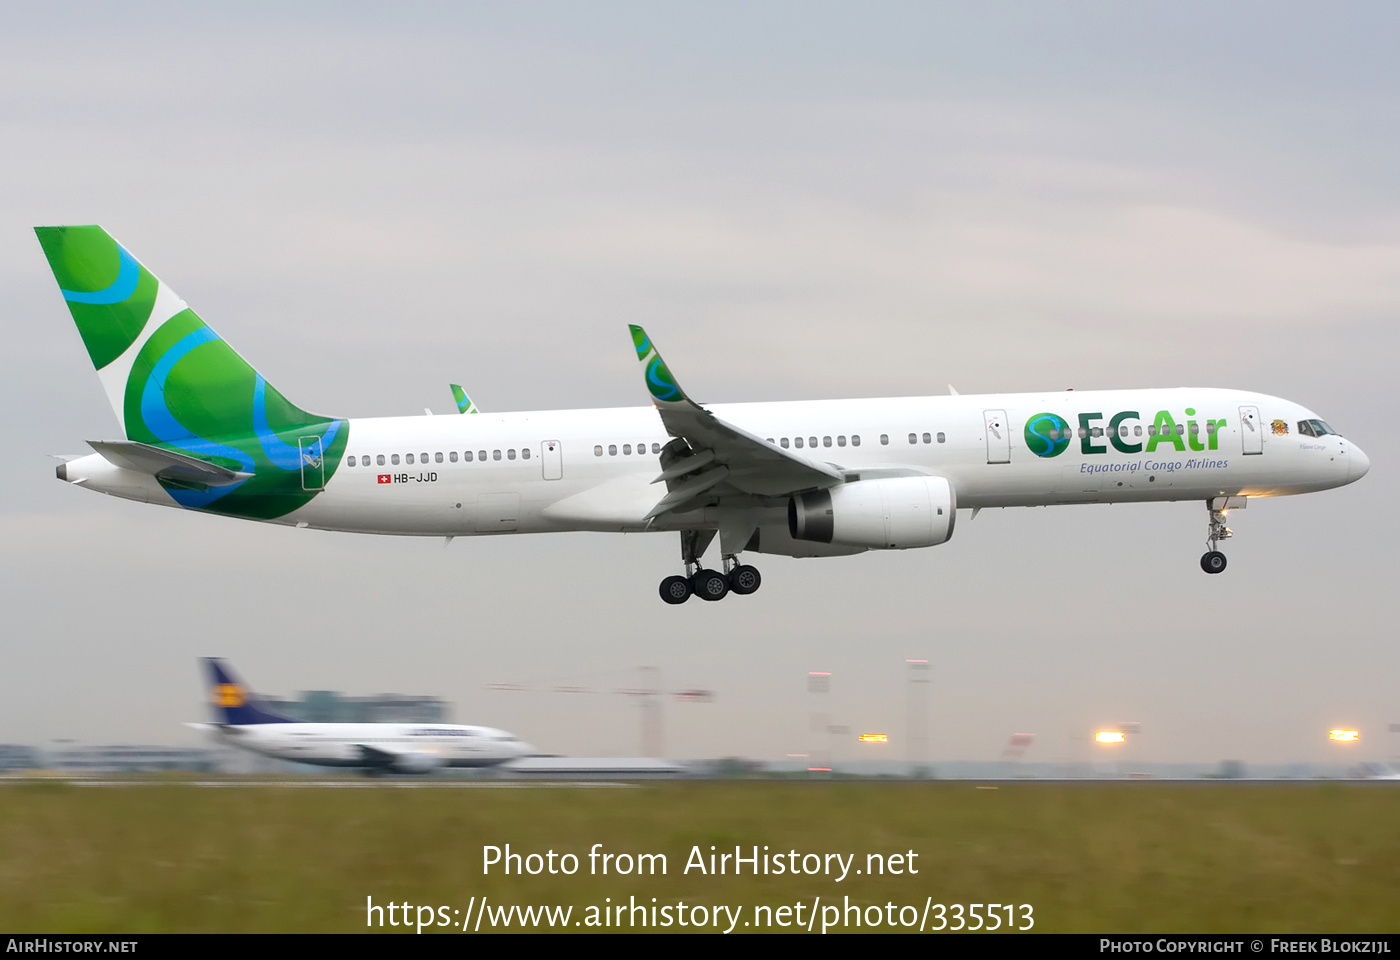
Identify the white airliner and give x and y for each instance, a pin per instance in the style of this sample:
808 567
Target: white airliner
204 431
246 722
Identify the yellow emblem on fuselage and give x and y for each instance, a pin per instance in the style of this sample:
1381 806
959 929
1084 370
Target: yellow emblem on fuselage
229 695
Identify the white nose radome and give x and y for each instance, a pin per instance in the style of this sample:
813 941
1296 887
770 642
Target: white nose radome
1358 464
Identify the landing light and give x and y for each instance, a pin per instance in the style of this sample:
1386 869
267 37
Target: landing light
874 738
1109 736
1344 736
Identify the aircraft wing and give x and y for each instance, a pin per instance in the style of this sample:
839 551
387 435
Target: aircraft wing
165 464
728 453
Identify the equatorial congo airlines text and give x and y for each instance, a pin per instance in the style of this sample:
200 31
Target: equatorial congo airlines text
715 863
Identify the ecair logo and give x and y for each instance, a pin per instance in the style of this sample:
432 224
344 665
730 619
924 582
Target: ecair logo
228 695
1049 434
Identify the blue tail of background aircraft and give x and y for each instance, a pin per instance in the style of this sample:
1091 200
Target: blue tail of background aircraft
233 703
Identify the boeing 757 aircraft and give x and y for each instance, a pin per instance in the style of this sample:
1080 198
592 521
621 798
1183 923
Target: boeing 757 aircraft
244 721
202 430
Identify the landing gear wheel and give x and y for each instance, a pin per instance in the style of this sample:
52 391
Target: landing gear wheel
744 580
675 589
1213 562
710 585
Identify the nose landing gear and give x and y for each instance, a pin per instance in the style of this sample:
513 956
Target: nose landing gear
1214 561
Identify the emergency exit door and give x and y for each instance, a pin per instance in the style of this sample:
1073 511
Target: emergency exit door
552 459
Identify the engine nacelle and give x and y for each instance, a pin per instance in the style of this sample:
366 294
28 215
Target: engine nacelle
893 514
417 763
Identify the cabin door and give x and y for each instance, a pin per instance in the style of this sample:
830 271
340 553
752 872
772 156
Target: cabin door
313 465
1251 430
552 459
998 436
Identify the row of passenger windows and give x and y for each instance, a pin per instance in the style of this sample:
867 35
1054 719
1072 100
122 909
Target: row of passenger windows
467 456
801 442
626 449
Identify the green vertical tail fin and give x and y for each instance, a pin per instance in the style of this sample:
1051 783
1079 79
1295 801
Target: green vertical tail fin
173 382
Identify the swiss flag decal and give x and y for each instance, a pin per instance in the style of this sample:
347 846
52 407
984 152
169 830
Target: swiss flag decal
386 478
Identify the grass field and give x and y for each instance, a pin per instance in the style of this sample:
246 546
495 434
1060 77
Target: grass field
1090 857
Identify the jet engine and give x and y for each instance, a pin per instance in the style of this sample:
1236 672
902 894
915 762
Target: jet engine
890 514
416 763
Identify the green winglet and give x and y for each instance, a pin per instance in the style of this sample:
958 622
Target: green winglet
464 402
663 386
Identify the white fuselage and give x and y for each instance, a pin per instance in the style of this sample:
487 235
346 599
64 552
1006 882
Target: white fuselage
544 471
416 746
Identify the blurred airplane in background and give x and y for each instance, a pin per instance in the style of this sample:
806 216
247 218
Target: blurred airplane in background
244 721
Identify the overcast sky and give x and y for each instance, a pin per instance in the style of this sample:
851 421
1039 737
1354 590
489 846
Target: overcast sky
800 201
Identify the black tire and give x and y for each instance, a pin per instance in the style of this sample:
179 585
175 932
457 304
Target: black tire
710 585
744 580
675 589
1213 562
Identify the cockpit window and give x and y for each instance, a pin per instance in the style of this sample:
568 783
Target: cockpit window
1316 428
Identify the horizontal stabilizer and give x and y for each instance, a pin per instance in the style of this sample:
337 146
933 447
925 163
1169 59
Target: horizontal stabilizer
165 464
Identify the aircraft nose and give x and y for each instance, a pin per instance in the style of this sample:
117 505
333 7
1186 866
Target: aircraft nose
1359 464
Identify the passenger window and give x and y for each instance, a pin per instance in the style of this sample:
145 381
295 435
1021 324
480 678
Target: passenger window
927 438
437 457
1194 429
510 454
349 461
394 459
423 458
1210 426
408 458
841 441
797 442
641 449
467 457
656 448
1096 431
627 449
1083 432
481 455
524 453
855 440
884 439
495 454
783 443
811 441
941 438
1180 429
379 459
913 438
1137 430
452 455
612 449
598 450
826 441
1152 430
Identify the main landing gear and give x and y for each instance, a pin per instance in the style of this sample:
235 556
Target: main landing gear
1214 561
739 578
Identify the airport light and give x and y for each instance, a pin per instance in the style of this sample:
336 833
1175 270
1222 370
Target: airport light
1344 736
873 738
1109 736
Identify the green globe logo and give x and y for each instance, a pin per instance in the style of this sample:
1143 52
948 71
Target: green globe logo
1047 435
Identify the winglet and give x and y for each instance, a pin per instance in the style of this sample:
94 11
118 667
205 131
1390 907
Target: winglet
663 386
464 402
